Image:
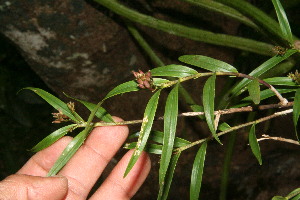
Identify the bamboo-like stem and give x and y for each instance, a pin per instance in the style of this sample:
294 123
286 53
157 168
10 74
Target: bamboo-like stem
267 137
277 114
188 32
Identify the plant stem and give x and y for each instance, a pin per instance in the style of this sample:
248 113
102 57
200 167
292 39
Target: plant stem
142 42
193 114
267 137
277 114
188 32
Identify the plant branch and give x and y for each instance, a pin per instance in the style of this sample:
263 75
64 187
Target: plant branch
188 32
277 114
282 100
267 137
192 114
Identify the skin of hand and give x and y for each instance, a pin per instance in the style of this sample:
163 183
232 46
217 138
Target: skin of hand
79 175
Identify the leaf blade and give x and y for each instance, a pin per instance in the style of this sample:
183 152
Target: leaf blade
56 103
68 152
254 91
296 111
254 144
283 21
207 63
53 137
170 123
165 188
145 130
197 172
173 71
260 70
209 105
129 86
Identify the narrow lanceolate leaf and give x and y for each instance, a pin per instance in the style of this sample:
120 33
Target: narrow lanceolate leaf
157 136
254 144
53 137
129 86
197 172
279 198
57 104
145 130
264 94
68 152
296 111
260 70
150 148
286 81
283 21
209 105
254 91
165 188
173 71
207 63
170 123
101 112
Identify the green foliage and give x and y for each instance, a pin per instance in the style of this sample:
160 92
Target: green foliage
254 144
165 143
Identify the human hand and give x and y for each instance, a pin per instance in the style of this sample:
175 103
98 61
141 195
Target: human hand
79 175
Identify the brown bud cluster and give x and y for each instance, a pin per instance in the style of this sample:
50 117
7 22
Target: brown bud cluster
279 50
295 77
144 80
60 117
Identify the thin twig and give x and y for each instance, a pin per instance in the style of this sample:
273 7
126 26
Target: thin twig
267 137
192 114
277 114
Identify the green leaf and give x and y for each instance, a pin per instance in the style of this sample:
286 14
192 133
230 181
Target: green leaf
165 188
150 148
268 93
294 195
145 130
207 63
170 123
101 112
224 126
53 137
279 198
197 172
173 71
260 70
129 86
286 81
209 105
254 144
57 104
68 152
283 21
157 136
296 111
254 91
198 108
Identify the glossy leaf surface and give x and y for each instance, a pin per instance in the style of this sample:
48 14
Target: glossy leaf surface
197 172
57 104
207 63
170 124
173 71
254 144
53 137
254 91
145 130
209 105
